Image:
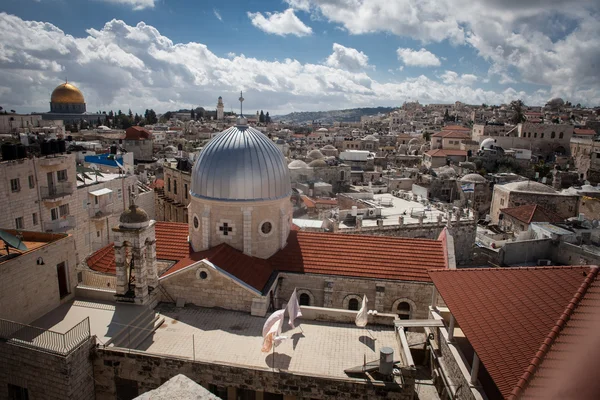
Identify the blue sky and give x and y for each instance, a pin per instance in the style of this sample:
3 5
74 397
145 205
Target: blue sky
167 54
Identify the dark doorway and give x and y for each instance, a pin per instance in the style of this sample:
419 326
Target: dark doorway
63 287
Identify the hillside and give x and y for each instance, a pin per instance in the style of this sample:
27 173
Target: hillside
328 117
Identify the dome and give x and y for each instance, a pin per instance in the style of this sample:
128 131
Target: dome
322 130
67 93
242 164
328 147
297 164
473 178
370 137
315 155
414 141
317 163
488 143
528 186
133 216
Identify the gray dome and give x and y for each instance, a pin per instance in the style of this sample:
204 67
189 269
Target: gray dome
241 163
315 155
528 186
297 164
414 141
133 215
317 163
328 147
473 178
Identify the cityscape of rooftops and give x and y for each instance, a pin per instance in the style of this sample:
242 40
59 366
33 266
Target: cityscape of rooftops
299 199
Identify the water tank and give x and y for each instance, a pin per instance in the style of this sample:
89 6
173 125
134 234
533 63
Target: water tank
8 152
45 148
53 146
62 146
21 152
386 361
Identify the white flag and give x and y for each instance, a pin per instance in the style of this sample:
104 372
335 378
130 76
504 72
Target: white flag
362 317
293 308
272 331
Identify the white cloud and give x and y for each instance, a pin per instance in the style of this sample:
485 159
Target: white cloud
303 5
121 66
347 58
284 23
453 78
217 14
418 58
135 4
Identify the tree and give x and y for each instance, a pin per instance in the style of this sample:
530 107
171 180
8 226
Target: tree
267 118
193 115
518 109
446 115
261 118
130 114
137 119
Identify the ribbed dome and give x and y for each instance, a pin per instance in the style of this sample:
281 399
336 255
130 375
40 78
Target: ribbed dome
67 93
297 164
241 163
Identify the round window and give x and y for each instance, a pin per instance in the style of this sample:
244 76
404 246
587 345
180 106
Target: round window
203 275
196 223
266 228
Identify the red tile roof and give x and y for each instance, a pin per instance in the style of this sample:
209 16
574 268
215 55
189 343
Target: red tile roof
565 364
158 183
508 314
306 252
360 256
452 135
137 133
308 202
532 213
586 132
446 153
457 128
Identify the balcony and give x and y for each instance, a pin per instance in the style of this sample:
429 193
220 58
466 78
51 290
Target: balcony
56 191
60 225
97 212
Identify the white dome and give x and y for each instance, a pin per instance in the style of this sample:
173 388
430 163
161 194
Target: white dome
473 178
320 163
487 143
297 164
322 130
315 155
242 164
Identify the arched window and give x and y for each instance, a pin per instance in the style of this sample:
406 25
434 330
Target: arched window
304 299
552 135
353 304
560 135
342 175
542 135
535 134
403 310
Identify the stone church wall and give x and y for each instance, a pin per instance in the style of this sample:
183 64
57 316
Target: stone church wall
140 372
216 290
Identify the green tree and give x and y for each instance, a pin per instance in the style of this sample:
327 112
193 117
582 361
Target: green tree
193 115
518 111
261 118
267 118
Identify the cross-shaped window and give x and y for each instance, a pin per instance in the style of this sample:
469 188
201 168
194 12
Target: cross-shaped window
225 229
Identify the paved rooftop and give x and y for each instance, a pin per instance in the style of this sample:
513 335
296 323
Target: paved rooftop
317 348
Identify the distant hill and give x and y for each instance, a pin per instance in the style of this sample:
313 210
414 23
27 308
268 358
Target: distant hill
328 117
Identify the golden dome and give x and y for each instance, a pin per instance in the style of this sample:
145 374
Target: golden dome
67 93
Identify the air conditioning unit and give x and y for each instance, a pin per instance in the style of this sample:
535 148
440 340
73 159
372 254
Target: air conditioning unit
371 212
543 261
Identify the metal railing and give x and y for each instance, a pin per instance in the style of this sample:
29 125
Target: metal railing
59 189
62 224
44 339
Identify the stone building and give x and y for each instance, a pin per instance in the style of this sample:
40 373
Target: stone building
440 157
518 219
528 192
479 199
449 139
174 197
138 141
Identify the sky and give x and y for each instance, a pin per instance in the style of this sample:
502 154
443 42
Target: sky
298 55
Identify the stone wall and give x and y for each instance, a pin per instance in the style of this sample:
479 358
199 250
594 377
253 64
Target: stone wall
570 254
216 290
29 290
453 372
336 292
142 372
47 376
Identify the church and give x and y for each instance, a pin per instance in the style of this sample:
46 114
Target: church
68 104
241 251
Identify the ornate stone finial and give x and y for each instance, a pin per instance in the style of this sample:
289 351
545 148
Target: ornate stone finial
132 197
241 99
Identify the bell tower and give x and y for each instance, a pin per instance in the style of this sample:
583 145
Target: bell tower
135 256
220 108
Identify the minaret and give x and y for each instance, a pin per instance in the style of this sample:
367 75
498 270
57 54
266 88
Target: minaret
220 108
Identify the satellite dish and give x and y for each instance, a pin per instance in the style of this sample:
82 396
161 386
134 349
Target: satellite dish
12 241
93 166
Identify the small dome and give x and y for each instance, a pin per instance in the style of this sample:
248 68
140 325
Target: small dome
473 178
241 164
487 143
528 186
370 137
133 216
414 141
315 155
297 164
328 147
67 93
322 130
317 163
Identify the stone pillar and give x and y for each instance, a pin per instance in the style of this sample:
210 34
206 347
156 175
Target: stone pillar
474 369
247 230
451 329
121 272
401 220
141 286
359 222
206 229
380 223
150 260
420 218
379 297
336 226
328 294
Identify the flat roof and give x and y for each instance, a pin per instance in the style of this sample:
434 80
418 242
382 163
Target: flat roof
101 192
315 348
32 240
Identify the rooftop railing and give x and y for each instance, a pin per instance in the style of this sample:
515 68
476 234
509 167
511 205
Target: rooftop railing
44 339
